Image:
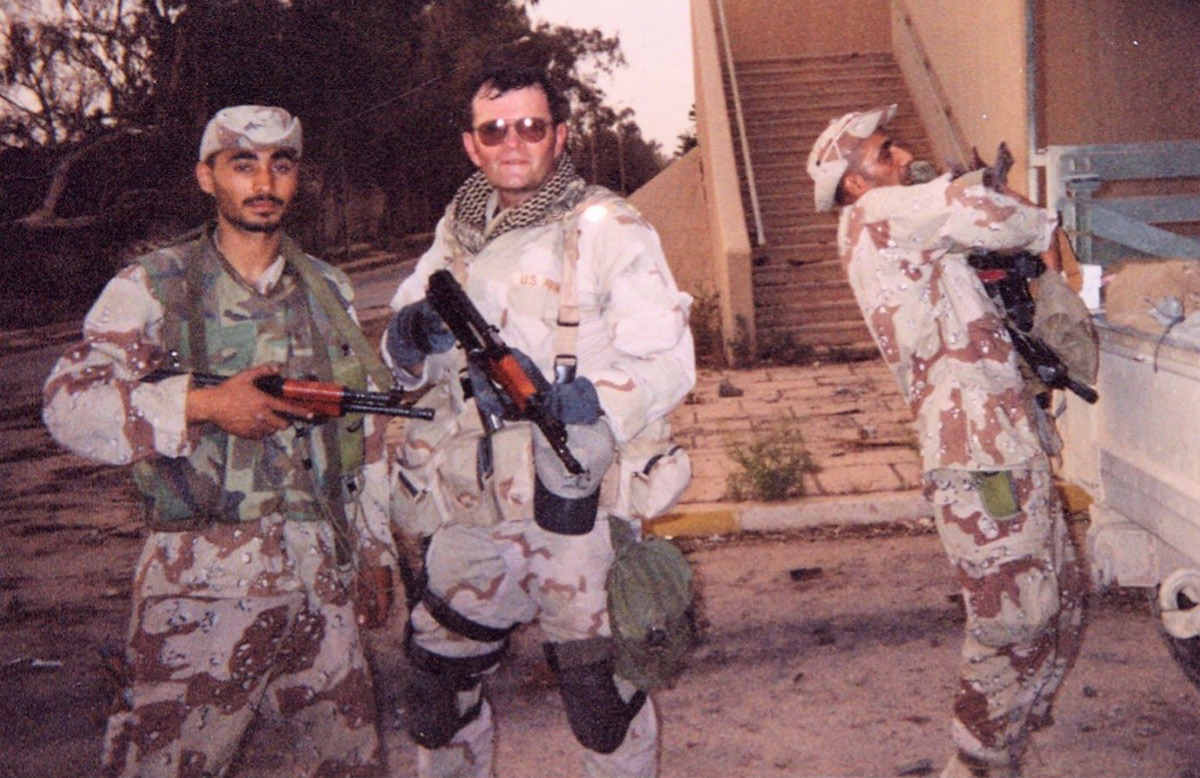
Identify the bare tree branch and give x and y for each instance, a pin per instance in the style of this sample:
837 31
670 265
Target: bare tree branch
44 217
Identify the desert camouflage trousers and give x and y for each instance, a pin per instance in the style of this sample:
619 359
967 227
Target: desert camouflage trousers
1023 587
514 573
204 662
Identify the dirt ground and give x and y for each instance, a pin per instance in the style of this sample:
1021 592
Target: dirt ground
824 653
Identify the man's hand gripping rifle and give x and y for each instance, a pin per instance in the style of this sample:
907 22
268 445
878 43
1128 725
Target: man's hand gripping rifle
1006 277
486 351
326 400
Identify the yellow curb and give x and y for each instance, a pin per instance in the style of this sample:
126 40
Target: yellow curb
693 523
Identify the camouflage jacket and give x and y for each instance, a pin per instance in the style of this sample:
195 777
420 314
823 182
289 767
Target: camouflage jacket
904 250
634 343
95 404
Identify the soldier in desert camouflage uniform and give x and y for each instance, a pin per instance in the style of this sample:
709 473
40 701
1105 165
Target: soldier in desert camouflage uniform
491 563
983 446
242 597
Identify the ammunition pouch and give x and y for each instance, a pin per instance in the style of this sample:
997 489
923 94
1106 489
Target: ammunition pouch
651 475
567 503
452 471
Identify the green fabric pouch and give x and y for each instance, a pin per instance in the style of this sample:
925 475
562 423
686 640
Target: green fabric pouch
997 494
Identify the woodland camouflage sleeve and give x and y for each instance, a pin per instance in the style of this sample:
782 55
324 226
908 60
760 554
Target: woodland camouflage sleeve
93 402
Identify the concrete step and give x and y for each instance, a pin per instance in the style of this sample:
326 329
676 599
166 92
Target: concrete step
800 291
815 66
860 88
784 273
838 334
823 302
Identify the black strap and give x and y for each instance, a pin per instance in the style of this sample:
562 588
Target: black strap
464 669
456 622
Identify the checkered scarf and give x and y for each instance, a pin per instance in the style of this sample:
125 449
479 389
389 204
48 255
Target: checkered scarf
468 211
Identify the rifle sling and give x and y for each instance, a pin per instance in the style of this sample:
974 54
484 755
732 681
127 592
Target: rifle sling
318 287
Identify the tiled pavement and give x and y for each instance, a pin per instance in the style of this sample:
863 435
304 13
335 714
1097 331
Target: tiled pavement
852 419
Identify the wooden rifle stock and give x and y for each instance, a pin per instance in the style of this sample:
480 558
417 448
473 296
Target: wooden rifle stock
325 399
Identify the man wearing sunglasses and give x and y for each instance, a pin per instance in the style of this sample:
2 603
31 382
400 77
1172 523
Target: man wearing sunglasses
904 244
512 538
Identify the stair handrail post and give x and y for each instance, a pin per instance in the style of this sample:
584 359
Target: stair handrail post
953 132
741 125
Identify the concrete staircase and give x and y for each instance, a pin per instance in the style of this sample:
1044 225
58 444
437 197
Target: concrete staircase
800 293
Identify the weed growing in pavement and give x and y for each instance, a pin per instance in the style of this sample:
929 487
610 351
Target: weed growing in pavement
705 322
772 466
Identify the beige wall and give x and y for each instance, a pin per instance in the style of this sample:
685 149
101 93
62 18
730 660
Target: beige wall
977 68
770 29
1117 71
730 256
674 202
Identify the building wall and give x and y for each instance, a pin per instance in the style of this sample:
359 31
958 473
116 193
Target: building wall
973 60
674 202
1116 71
723 216
771 29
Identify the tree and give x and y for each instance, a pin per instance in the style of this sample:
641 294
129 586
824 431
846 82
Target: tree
612 152
102 103
687 139
67 75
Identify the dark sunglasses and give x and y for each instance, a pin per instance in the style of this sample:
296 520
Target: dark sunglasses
529 129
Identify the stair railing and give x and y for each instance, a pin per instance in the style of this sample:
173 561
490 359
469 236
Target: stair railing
741 125
907 34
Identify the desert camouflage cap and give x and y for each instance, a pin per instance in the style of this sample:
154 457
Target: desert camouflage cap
829 158
250 127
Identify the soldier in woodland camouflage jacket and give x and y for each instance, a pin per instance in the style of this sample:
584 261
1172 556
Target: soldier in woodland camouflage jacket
982 440
244 593
494 561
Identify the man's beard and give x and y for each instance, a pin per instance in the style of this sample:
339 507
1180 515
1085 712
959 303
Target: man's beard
266 228
919 171
246 226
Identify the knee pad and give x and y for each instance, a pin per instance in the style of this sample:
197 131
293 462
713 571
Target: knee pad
599 718
431 694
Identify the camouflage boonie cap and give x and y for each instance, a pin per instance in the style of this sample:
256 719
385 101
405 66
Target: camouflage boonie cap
828 160
250 127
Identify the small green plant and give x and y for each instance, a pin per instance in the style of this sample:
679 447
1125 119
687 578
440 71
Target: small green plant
705 321
771 466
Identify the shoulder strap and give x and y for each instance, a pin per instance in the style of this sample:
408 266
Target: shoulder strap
566 334
197 336
318 287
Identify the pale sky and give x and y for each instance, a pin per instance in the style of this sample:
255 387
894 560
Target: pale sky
656 39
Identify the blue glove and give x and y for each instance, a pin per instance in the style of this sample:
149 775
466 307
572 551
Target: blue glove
487 397
572 403
415 332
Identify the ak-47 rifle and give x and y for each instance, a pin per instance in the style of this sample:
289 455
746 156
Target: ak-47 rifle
1006 279
324 399
486 351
